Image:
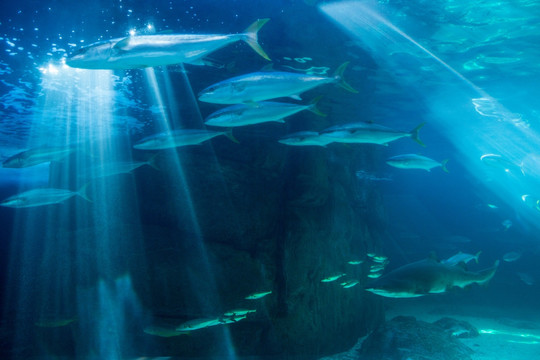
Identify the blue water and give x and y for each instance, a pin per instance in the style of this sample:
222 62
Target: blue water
469 70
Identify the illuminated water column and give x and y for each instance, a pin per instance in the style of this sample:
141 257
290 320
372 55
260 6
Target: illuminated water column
71 287
473 121
161 87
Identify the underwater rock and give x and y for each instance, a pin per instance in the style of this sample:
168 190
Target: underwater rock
457 328
406 338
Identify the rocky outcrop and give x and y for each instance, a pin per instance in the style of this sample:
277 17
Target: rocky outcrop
404 337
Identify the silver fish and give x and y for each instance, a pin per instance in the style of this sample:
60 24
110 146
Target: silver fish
256 113
261 86
197 324
238 312
116 167
140 51
305 138
176 138
332 278
414 161
258 295
163 331
38 155
427 277
41 197
461 257
512 256
349 284
365 133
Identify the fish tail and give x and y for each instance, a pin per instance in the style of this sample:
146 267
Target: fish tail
313 106
152 162
338 75
477 256
230 136
443 164
487 275
414 134
250 37
83 192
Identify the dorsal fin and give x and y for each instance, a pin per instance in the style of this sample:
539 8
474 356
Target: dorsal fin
120 45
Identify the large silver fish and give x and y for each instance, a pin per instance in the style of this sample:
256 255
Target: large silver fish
176 138
37 156
140 51
427 277
305 138
41 197
461 257
256 113
414 161
367 133
112 168
261 86
198 324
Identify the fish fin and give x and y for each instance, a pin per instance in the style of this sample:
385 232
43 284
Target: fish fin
414 134
477 256
83 192
295 97
122 44
443 164
229 134
338 75
250 37
152 162
282 121
313 106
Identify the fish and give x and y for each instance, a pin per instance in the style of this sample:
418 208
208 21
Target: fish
512 256
197 324
377 268
355 262
332 278
257 113
238 312
38 155
427 276
507 224
305 138
42 196
381 259
55 322
366 133
232 319
141 51
349 284
177 138
260 86
257 295
414 161
116 167
499 162
374 275
461 257
163 331
364 175
526 278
